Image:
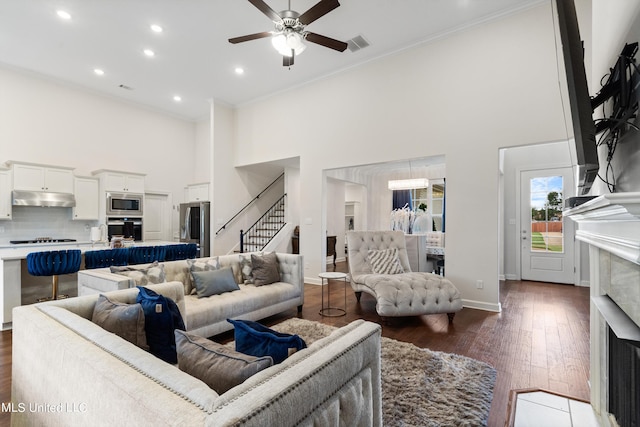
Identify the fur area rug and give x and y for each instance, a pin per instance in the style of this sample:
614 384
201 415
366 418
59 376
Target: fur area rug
421 387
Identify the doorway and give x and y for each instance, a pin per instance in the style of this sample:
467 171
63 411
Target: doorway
546 237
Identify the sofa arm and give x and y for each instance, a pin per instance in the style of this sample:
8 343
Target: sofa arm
100 281
291 269
335 378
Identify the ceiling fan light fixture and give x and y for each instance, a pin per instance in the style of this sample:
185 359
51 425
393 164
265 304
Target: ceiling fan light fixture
284 43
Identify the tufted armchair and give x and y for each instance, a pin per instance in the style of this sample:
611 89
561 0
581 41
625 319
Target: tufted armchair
401 294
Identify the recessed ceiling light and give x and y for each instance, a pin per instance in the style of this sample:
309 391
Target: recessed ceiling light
156 28
98 71
149 52
177 98
239 70
63 14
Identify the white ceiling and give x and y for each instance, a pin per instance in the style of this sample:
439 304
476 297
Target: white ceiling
192 55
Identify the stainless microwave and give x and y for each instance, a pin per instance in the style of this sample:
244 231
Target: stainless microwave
124 204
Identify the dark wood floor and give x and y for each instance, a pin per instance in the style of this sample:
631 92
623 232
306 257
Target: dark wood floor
541 338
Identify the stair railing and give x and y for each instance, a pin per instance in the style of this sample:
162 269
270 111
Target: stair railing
249 204
265 224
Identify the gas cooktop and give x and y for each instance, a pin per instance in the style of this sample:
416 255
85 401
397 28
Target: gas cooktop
41 240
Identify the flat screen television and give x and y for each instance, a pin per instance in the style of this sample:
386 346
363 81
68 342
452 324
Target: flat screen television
584 129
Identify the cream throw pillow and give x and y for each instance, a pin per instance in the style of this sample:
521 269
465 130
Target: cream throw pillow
384 261
142 275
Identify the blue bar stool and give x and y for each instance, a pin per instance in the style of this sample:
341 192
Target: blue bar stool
146 254
106 258
181 251
53 263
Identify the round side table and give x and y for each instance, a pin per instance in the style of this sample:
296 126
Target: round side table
328 310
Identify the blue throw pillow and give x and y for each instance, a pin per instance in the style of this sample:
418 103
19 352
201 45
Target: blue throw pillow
161 318
254 339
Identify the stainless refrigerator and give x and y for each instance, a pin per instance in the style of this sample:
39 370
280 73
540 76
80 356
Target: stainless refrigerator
195 227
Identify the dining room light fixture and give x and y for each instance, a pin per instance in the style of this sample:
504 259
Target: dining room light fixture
408 184
287 41
63 14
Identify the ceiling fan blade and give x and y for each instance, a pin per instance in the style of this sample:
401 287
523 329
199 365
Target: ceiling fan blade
319 9
326 42
250 37
264 8
287 61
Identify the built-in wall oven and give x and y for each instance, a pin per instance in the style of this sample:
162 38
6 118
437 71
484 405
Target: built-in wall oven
124 204
127 227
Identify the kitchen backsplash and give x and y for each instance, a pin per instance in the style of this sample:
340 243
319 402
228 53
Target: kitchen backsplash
30 222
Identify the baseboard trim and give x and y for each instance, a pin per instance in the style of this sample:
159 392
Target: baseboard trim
510 277
501 277
481 305
584 284
313 280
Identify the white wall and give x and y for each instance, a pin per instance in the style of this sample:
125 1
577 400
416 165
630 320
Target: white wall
233 186
47 122
492 86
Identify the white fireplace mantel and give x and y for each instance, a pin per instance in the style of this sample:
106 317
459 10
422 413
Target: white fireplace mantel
610 222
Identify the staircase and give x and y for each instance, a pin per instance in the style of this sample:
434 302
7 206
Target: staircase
264 229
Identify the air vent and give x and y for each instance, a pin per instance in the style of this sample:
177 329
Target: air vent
125 87
357 43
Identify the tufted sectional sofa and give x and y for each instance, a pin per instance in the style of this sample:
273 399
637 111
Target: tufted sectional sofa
405 294
208 316
68 371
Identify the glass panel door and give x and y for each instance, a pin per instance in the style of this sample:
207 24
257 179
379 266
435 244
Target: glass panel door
546 214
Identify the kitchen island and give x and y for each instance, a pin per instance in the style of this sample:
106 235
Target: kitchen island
13 269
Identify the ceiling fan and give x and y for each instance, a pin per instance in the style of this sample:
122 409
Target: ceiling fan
290 32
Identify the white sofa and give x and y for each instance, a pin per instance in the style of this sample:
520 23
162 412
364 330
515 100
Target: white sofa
208 316
69 371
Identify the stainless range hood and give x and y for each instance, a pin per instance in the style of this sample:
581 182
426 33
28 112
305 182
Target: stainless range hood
41 198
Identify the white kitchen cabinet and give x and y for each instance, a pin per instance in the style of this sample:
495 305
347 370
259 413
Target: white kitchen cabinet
5 194
125 182
197 192
87 193
32 177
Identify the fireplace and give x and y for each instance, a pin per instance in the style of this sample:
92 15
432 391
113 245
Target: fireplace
624 380
610 225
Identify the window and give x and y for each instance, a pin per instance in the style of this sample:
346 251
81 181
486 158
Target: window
546 214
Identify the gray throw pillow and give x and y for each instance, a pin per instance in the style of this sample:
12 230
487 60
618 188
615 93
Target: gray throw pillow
384 261
199 264
124 320
142 275
214 282
265 269
220 367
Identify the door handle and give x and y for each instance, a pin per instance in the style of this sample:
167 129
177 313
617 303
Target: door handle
186 231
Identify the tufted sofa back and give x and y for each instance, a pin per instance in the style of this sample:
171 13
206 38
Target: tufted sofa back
360 242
